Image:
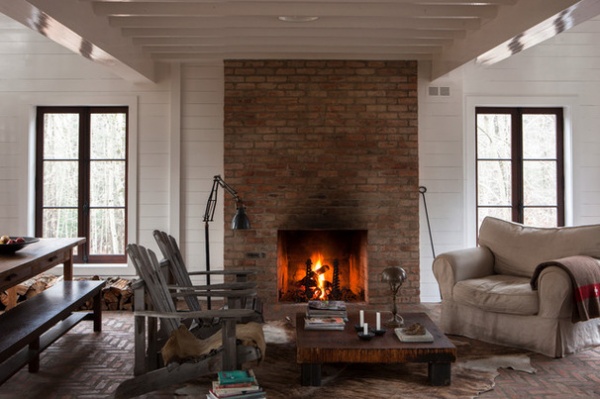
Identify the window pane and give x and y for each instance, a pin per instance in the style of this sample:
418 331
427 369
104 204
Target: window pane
61 136
539 136
107 183
540 217
60 183
493 136
493 183
500 213
539 183
60 223
107 231
108 136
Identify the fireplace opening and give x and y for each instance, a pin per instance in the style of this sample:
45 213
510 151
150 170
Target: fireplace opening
321 265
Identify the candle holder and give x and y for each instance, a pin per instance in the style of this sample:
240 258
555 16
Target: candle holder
394 276
367 336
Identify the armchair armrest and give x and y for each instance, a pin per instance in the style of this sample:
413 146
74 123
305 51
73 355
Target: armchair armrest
555 293
452 267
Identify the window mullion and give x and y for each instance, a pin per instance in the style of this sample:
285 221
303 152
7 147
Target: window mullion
84 170
517 165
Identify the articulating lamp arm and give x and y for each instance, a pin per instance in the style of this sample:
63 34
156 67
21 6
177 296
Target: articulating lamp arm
211 204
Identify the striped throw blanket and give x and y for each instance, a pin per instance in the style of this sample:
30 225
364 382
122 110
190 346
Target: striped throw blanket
584 272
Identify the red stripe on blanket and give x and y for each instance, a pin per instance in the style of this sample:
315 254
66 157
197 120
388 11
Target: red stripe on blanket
587 291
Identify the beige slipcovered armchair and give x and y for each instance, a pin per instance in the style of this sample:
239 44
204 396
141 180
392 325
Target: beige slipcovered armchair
487 294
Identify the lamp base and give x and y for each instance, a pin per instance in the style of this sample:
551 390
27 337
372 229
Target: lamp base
395 321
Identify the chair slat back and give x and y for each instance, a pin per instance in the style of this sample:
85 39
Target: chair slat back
170 251
148 268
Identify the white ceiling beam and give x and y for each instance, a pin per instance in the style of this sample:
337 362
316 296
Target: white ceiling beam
510 22
318 32
234 49
152 44
73 24
312 55
269 22
265 9
392 2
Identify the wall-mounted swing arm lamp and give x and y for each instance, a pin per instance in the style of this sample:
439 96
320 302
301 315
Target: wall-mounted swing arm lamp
240 220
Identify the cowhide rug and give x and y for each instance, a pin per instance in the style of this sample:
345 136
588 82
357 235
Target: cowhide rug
473 373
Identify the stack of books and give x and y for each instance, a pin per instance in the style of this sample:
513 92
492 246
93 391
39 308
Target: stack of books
327 309
325 315
236 384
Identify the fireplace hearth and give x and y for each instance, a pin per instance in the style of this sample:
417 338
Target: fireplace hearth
321 265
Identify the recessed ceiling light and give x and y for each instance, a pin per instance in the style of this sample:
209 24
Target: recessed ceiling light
297 18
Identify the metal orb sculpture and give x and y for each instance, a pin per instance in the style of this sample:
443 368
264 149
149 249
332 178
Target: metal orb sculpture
394 276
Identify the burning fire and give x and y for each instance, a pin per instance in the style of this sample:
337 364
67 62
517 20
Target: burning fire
319 270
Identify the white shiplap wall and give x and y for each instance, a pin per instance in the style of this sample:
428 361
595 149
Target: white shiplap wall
201 158
35 71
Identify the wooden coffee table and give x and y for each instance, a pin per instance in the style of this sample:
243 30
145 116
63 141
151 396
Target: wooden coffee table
313 348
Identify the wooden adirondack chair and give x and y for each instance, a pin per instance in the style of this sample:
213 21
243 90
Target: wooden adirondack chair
172 254
228 354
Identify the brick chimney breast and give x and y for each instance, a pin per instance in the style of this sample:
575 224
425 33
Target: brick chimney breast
323 144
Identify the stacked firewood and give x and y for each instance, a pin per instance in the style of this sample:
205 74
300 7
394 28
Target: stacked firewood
116 295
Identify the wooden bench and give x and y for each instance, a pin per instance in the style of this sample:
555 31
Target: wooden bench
35 324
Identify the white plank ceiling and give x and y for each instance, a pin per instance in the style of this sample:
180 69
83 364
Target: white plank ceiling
132 36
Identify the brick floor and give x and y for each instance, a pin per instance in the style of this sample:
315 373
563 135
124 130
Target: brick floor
87 365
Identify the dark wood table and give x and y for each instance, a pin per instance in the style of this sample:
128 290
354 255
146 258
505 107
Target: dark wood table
314 348
34 259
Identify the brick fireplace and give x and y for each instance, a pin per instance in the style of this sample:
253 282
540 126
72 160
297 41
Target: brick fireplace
324 145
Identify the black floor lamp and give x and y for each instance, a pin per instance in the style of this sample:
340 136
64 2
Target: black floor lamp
240 220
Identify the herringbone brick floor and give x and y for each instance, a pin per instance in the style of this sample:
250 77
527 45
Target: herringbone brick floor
83 364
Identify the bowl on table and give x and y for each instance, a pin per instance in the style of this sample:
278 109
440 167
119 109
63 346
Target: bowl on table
12 248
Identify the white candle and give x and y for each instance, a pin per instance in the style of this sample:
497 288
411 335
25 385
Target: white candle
362 317
378 321
366 328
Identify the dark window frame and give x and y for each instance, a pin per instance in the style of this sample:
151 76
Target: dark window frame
83 215
516 113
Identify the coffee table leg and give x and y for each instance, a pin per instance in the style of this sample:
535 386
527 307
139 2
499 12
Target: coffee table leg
310 374
439 374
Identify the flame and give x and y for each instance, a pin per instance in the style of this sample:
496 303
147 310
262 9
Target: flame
318 264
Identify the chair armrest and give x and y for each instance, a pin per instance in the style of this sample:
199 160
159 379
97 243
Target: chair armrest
188 291
555 293
452 267
241 272
202 314
216 287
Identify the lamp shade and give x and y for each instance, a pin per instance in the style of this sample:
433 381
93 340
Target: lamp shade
240 220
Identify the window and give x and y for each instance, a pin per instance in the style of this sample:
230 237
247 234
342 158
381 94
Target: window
520 165
81 179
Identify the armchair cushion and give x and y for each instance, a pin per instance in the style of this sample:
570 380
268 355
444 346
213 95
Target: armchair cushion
518 249
498 293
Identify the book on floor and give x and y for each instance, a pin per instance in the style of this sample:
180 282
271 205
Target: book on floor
236 384
234 389
252 395
235 377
